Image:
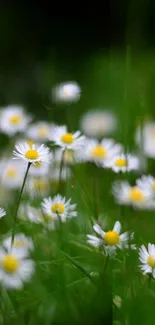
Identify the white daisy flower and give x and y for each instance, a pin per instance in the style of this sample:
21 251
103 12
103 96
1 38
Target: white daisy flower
59 207
37 186
147 258
2 213
12 173
66 92
145 137
100 152
15 268
98 123
111 240
147 183
13 119
21 243
33 153
122 163
66 140
136 196
40 131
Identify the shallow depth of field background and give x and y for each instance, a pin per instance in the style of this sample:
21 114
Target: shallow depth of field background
113 60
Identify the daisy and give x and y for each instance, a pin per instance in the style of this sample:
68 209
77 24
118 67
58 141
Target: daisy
122 163
147 182
40 131
37 186
15 268
66 92
111 240
32 154
100 152
97 123
136 196
2 213
147 259
145 137
21 243
12 173
59 207
13 119
66 140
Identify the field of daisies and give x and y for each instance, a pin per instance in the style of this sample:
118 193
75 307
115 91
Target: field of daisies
77 208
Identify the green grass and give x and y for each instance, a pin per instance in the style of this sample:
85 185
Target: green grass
71 285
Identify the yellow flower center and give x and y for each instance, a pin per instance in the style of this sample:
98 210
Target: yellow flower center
30 143
99 152
136 194
32 154
151 261
37 164
121 162
39 184
42 131
19 243
111 238
67 138
10 263
11 172
58 208
15 119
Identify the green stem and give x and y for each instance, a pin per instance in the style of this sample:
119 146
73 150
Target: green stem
18 203
149 281
106 263
61 167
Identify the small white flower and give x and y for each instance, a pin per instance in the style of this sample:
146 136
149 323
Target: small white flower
111 240
37 186
21 243
66 92
13 119
145 138
147 259
122 163
136 196
59 207
40 131
100 152
15 268
12 173
66 140
32 153
147 183
2 213
117 301
98 123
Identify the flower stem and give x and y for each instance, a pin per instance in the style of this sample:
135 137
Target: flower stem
61 167
149 280
18 203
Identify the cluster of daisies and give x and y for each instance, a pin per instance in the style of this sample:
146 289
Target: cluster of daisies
46 167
